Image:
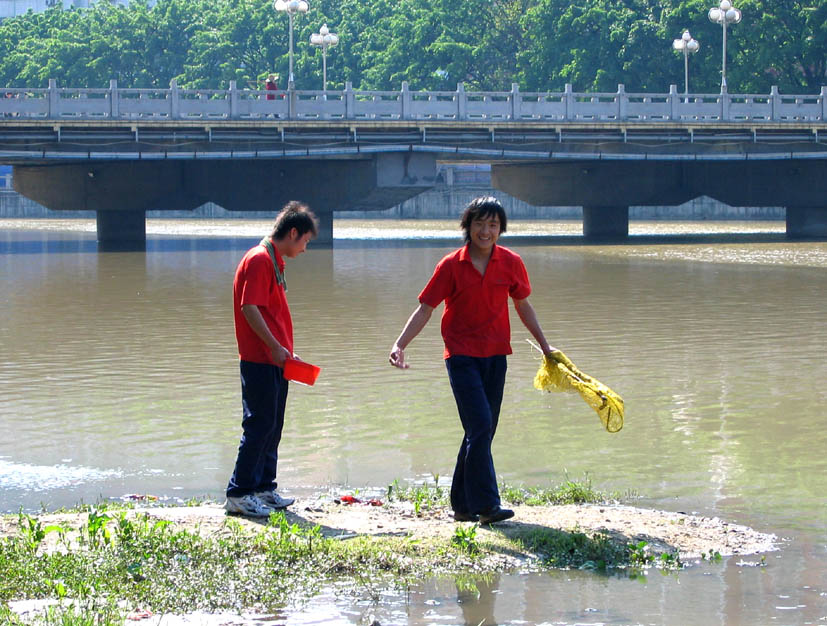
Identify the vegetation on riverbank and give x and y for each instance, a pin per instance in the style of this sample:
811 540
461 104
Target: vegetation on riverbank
539 44
104 563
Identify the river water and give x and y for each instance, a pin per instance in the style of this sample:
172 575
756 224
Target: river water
118 375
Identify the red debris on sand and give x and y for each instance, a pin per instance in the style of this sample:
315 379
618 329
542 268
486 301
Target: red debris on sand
139 614
355 500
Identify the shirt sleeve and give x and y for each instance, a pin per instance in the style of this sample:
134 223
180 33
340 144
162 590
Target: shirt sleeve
256 281
520 285
438 287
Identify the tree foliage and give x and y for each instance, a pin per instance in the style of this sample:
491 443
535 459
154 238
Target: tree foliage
432 44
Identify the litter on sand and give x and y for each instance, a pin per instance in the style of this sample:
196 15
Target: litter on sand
558 373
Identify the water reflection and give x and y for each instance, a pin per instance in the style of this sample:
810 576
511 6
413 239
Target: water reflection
477 599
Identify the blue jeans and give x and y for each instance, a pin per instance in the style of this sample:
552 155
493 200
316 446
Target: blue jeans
477 384
263 398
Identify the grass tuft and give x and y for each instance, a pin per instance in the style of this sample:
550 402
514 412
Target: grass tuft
569 492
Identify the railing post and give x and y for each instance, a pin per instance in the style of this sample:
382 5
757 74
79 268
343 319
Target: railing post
673 102
405 96
516 103
775 103
462 103
724 104
568 96
291 100
622 102
174 104
54 101
823 103
114 102
350 101
233 100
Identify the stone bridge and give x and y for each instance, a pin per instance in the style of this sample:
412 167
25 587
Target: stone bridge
121 152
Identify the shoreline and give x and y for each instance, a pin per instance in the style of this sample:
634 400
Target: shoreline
685 536
196 564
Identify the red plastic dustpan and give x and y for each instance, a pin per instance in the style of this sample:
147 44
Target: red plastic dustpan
301 372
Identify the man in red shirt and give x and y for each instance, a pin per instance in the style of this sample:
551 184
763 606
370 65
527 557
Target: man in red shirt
264 332
475 282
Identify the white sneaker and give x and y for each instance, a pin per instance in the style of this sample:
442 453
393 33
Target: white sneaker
274 500
247 505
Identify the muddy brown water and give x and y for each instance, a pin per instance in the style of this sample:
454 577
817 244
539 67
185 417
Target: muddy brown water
118 375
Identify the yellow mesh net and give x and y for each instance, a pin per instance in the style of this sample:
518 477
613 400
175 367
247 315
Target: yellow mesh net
558 373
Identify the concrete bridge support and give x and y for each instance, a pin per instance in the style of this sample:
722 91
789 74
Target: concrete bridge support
121 230
605 188
803 222
121 192
605 222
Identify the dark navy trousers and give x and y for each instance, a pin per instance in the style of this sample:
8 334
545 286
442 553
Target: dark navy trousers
478 385
263 398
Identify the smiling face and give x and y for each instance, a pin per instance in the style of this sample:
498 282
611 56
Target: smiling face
484 231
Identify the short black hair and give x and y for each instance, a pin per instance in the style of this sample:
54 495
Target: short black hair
295 215
479 208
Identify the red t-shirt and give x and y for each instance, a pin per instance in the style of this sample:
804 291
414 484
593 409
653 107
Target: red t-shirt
255 283
475 320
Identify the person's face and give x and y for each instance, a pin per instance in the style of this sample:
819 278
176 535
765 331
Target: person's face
484 231
296 244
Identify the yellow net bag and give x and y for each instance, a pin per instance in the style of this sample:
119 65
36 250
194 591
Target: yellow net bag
558 373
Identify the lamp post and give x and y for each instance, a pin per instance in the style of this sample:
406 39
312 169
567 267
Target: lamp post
291 7
724 14
324 39
686 44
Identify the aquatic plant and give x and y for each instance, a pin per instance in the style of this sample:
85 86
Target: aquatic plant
465 538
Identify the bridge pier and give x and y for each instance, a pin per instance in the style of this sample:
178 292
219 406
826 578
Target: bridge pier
121 230
324 237
803 222
605 188
122 191
605 222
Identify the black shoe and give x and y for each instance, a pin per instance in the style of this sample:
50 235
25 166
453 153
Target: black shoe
466 517
497 514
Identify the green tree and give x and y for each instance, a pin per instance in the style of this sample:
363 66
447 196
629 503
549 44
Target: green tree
431 44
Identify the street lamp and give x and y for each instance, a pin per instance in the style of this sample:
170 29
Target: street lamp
686 44
291 7
324 39
724 14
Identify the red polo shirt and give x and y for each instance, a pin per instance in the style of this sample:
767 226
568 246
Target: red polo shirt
475 320
255 283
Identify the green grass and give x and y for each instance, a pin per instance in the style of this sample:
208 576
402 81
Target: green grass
569 492
120 559
577 550
424 497
149 564
427 496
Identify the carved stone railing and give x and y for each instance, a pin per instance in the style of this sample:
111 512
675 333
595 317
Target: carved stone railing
203 105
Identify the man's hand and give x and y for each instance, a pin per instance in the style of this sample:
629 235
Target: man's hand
256 321
280 355
416 322
397 358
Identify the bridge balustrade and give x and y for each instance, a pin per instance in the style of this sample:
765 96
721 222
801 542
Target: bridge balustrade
348 104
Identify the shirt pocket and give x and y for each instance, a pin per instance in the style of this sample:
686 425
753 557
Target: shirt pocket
498 289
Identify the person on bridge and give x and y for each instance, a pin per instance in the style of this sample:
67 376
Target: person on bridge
271 84
264 332
475 282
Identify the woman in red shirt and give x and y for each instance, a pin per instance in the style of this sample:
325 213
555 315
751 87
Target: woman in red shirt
475 283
